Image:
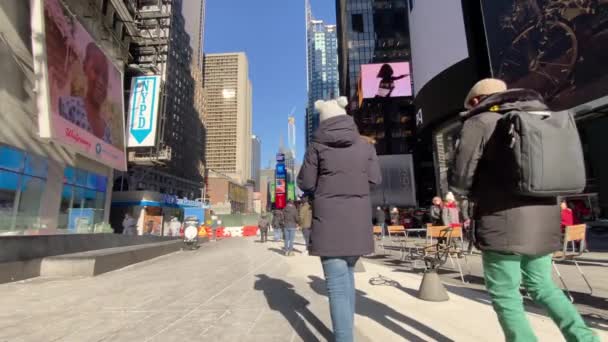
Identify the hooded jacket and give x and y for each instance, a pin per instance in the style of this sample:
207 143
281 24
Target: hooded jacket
505 222
278 219
291 217
338 168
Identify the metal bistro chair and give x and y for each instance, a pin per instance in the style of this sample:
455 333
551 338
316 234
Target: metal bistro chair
397 235
379 237
446 246
436 255
572 234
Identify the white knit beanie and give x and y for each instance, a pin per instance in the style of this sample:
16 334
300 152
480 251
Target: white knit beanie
331 108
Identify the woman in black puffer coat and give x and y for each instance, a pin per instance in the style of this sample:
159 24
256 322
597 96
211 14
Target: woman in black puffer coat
339 167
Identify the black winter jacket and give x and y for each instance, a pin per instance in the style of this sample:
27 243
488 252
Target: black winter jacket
338 168
291 217
277 219
505 222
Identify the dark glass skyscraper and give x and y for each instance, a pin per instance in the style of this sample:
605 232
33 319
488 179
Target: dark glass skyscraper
375 32
322 73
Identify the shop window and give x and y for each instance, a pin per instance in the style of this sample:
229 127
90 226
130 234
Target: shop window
82 200
22 182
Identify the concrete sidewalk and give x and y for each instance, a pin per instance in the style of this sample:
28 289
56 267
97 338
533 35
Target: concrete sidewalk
238 290
393 313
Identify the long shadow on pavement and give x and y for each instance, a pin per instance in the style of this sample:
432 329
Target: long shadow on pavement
384 315
282 297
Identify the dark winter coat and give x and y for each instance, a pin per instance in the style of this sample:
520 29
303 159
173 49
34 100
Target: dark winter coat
263 223
436 215
505 222
338 168
277 219
291 217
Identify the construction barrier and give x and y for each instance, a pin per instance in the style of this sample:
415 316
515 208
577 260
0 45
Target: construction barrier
226 232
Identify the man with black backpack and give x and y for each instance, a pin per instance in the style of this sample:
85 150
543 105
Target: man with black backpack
513 159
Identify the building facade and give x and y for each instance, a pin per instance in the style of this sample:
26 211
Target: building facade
267 178
322 67
47 187
165 49
228 97
226 196
194 16
256 161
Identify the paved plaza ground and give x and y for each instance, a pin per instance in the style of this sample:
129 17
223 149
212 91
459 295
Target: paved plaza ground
241 290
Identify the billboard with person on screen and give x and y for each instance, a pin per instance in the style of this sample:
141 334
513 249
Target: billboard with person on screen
386 80
81 90
556 47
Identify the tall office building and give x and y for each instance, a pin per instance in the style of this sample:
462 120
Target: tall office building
256 161
322 64
194 14
376 32
229 112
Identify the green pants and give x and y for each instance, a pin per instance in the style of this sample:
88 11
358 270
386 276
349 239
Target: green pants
503 274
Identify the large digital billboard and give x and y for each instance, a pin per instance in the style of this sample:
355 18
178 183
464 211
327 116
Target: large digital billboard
438 38
386 80
80 90
557 47
143 111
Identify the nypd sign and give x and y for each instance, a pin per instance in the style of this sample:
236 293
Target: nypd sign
143 111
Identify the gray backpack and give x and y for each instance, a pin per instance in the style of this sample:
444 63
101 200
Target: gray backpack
544 156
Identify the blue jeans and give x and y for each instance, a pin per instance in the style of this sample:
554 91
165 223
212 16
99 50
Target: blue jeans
340 279
290 236
277 233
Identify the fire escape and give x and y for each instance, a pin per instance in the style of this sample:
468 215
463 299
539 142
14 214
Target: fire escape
149 55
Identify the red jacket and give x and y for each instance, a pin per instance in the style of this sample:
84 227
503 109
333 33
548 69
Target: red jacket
567 218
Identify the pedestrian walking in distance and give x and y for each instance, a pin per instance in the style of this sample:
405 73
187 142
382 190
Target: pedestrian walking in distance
338 168
291 222
518 219
129 225
380 217
263 225
277 224
306 220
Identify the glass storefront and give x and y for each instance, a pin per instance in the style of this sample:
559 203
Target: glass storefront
593 136
82 200
444 141
22 181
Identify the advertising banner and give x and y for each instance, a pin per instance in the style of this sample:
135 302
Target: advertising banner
398 185
81 220
556 47
79 89
143 111
281 187
386 80
272 191
291 191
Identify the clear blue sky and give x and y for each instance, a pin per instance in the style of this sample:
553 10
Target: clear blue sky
273 35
